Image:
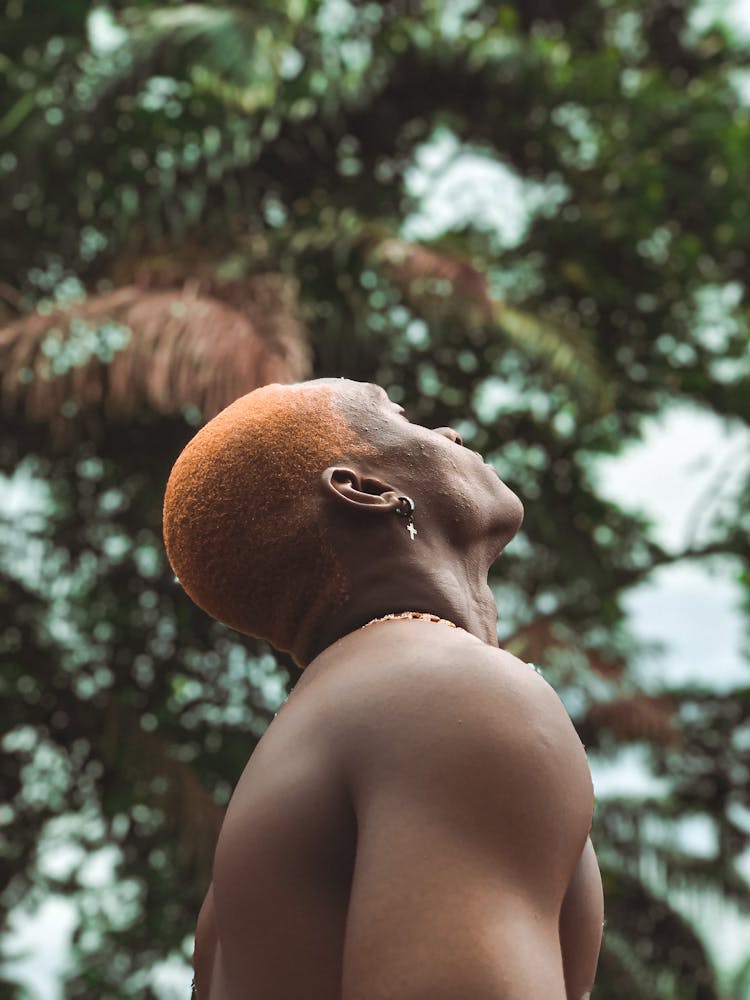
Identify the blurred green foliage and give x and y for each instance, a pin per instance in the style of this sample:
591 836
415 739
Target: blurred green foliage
164 143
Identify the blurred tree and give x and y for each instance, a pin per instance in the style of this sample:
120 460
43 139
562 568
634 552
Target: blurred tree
204 198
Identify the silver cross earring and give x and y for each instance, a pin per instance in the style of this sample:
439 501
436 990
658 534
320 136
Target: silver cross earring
405 509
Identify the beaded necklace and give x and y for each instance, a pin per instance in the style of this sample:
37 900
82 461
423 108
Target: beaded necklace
396 615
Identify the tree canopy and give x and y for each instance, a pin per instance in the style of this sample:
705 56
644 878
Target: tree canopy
527 220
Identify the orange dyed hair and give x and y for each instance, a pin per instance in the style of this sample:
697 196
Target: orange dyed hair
242 514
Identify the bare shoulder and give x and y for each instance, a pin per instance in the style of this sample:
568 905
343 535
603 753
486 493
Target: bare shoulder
416 679
426 713
403 655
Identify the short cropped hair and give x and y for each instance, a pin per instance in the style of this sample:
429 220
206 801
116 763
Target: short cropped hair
243 523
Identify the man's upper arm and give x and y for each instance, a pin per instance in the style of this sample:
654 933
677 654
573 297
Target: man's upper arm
473 802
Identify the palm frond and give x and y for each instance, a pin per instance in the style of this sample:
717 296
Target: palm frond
131 354
638 717
543 638
741 980
653 943
447 288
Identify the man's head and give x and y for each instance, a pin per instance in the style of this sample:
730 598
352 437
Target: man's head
275 505
242 512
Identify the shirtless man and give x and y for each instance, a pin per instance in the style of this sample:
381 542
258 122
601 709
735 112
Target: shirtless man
414 824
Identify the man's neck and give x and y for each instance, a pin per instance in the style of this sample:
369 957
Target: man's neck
459 593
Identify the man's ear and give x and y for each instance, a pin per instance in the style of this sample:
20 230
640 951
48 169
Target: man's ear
357 491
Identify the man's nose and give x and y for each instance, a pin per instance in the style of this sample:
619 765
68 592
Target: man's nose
450 434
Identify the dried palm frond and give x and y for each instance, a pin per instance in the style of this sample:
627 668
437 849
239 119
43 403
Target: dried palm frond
130 354
542 639
638 717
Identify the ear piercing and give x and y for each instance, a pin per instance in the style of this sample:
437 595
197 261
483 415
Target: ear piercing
405 509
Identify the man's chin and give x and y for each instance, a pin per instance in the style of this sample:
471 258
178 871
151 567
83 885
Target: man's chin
518 511
510 518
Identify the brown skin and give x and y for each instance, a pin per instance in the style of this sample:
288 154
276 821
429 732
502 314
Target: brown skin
414 824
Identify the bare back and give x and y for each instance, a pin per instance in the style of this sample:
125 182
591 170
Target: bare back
413 825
